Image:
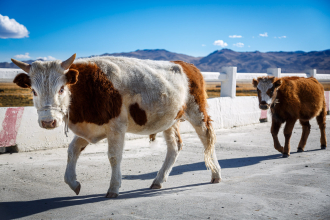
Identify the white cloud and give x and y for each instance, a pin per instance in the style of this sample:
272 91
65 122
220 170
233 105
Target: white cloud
282 37
22 56
46 58
9 28
220 43
239 44
203 45
235 36
263 35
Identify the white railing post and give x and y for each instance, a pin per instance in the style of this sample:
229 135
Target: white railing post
274 71
228 87
311 73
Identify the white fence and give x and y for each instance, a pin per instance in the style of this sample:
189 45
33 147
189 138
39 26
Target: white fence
228 77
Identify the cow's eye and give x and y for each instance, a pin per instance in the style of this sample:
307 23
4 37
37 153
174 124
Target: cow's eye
34 92
61 90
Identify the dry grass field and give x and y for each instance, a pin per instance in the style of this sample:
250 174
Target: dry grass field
13 96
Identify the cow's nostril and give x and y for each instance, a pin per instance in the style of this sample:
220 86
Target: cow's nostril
48 124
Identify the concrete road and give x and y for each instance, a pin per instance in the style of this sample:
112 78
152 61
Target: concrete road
256 182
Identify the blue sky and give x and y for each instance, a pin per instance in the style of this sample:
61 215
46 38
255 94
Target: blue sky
57 29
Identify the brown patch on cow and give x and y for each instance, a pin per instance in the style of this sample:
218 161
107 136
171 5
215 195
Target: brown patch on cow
196 87
181 112
93 97
138 114
152 137
23 80
178 136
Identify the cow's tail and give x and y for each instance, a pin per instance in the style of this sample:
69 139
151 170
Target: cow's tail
209 147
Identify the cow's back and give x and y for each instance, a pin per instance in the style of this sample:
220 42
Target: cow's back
300 97
156 90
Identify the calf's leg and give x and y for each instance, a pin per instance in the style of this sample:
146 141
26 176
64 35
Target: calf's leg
174 145
306 127
321 120
276 125
77 145
287 134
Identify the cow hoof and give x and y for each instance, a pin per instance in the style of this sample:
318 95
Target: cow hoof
216 180
77 190
323 147
300 150
285 155
111 195
155 186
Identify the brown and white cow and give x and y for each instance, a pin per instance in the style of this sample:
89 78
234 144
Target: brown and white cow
105 97
290 99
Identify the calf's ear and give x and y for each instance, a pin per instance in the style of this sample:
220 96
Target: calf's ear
255 83
277 83
23 80
72 76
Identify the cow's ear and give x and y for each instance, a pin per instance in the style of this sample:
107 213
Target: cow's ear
277 83
72 76
23 80
255 83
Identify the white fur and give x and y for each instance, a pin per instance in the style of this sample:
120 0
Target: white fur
263 86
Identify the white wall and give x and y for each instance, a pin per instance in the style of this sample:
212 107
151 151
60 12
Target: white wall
225 113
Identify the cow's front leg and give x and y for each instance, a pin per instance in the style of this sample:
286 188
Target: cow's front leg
276 125
77 145
115 153
287 134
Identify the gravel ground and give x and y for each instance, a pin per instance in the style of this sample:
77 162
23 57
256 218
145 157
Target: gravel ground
257 183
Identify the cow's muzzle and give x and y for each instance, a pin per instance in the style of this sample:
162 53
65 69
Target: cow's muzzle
263 105
49 124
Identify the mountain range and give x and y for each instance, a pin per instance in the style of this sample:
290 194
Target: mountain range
249 62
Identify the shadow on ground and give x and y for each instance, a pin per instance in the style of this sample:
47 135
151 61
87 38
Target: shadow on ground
13 210
225 164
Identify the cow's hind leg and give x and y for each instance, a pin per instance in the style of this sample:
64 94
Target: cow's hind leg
77 145
306 128
321 120
287 134
174 145
204 129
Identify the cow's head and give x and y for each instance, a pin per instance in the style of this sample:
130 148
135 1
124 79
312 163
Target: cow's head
267 90
49 82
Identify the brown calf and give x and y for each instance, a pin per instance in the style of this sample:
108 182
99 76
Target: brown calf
290 99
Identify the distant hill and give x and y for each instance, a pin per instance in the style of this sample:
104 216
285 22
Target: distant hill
257 62
250 62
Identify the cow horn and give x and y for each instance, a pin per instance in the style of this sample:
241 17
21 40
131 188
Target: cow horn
24 66
66 64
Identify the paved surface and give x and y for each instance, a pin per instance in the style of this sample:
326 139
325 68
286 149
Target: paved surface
257 183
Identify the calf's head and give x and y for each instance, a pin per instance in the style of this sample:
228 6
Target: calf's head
49 82
267 90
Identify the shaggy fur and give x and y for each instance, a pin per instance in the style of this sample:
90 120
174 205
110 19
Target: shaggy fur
196 86
294 98
93 97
